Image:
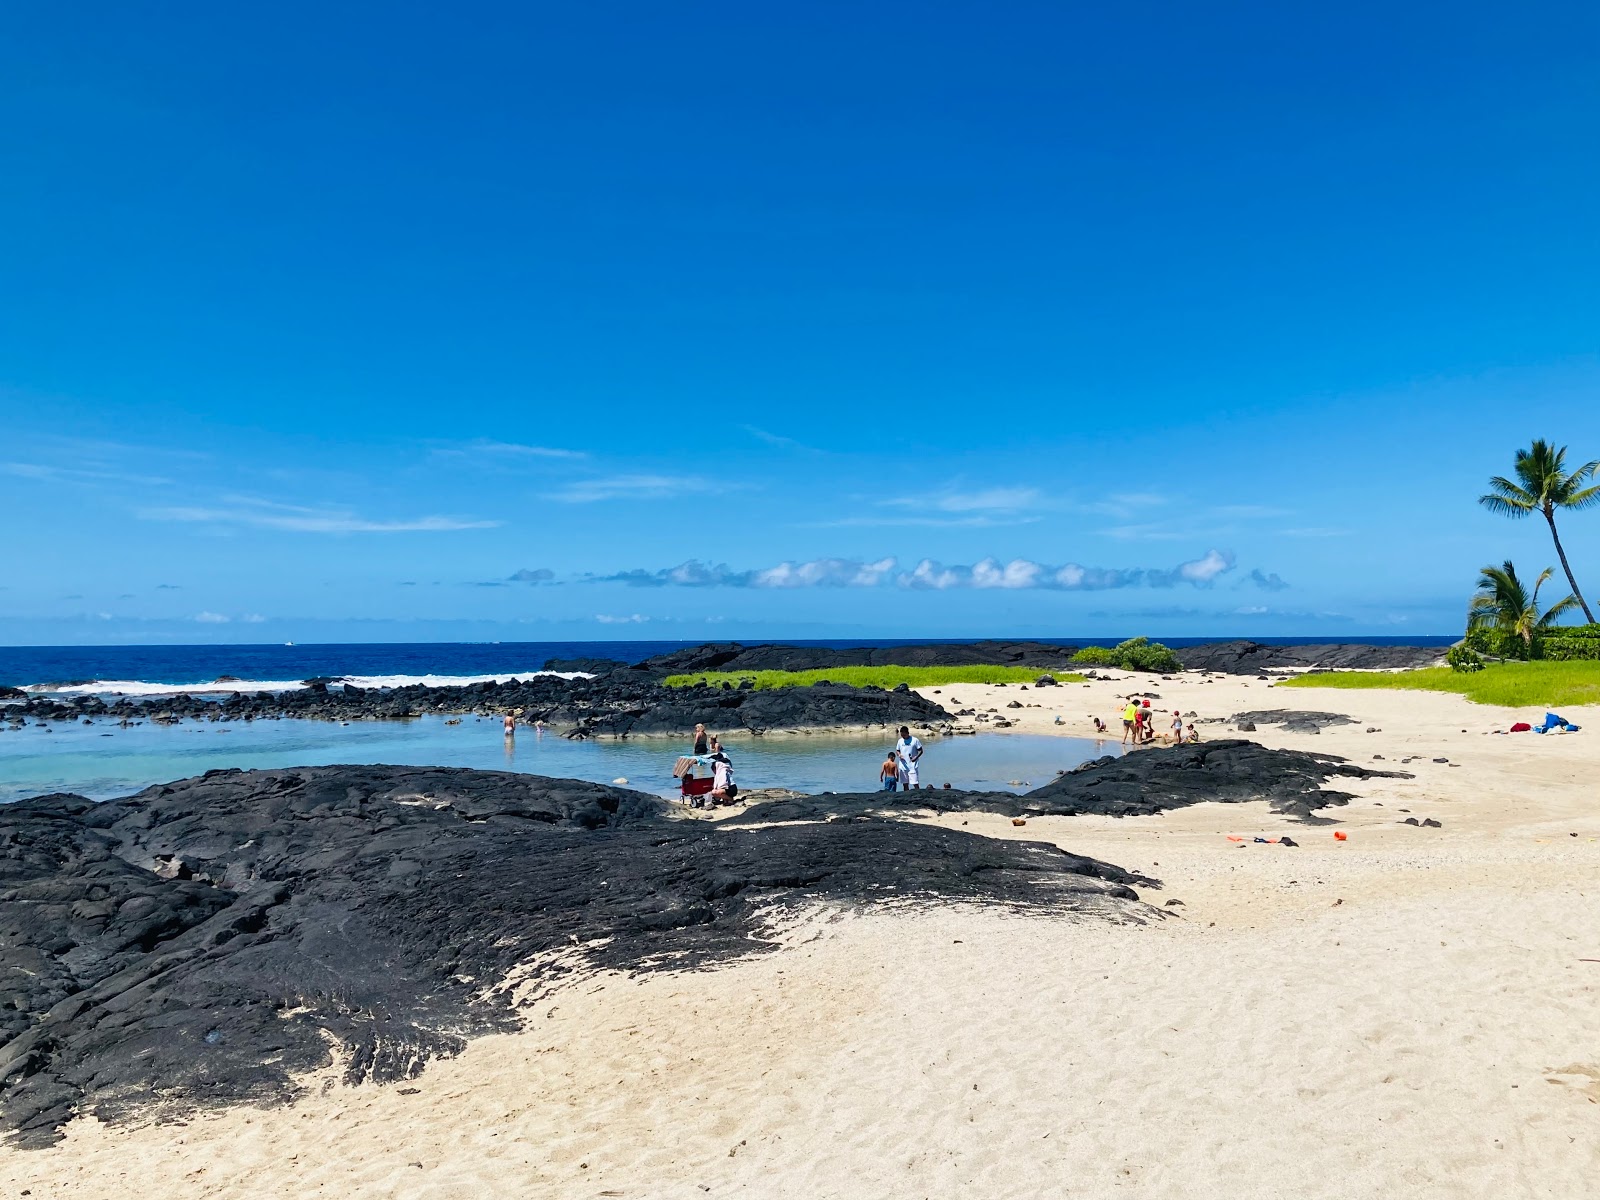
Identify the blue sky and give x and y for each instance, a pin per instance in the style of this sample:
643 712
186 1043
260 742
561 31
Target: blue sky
380 322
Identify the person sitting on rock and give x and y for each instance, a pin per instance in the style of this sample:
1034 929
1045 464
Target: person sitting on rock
723 789
889 773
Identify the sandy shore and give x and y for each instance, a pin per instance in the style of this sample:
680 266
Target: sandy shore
1407 1012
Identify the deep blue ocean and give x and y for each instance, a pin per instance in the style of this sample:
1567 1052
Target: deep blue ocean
21 666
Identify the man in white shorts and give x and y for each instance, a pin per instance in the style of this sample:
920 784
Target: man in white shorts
908 750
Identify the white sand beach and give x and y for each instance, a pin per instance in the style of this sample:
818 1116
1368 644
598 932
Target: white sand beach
1411 1012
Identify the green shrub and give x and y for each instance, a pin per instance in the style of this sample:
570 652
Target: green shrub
1463 659
1497 644
1135 654
1583 648
1096 656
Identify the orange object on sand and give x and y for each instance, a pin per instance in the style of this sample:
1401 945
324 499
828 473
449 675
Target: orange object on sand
1340 835
1231 838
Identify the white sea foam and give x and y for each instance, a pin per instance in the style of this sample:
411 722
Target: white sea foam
138 688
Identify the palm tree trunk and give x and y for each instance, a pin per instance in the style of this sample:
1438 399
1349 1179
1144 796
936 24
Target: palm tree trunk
1550 518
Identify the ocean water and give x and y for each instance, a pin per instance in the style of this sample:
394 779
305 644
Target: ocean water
101 760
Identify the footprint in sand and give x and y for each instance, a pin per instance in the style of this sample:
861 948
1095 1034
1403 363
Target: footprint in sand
1580 1078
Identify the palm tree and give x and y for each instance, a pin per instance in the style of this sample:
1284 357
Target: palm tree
1543 486
1503 605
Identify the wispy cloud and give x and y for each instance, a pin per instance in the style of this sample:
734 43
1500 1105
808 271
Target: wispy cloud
631 619
931 575
256 513
1000 499
1316 532
532 575
633 487
46 473
211 618
484 447
1248 510
778 440
920 522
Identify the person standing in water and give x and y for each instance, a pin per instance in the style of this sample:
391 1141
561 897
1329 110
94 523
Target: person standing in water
889 773
700 745
511 726
909 750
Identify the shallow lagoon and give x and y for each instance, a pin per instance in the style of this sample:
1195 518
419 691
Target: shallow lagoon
102 760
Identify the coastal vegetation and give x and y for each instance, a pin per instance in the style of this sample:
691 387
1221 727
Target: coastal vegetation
1539 684
883 677
1507 617
1135 654
1543 484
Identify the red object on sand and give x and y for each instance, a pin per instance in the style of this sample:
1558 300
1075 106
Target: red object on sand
697 787
1521 727
1340 835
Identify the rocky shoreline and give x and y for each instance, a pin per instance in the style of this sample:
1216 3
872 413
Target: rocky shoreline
623 700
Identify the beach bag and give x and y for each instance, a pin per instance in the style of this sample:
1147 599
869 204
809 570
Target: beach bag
1521 727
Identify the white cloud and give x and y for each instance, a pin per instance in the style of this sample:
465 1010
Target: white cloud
1204 570
211 618
252 619
824 572
633 619
1018 573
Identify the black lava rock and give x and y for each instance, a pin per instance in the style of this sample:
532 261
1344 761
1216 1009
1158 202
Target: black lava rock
204 942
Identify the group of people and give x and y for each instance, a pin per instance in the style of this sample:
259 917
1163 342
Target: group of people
899 770
707 748
1139 725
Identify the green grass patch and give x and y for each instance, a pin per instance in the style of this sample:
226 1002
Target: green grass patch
884 677
1511 684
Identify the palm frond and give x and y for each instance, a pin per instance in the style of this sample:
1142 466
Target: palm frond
1587 498
1507 499
1558 609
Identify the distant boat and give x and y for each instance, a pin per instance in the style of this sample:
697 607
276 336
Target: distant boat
288 643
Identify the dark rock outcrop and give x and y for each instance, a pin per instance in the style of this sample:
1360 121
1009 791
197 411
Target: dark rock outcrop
1251 658
205 941
592 666
1138 784
1290 720
615 704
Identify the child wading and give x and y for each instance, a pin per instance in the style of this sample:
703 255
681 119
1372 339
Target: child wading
889 773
